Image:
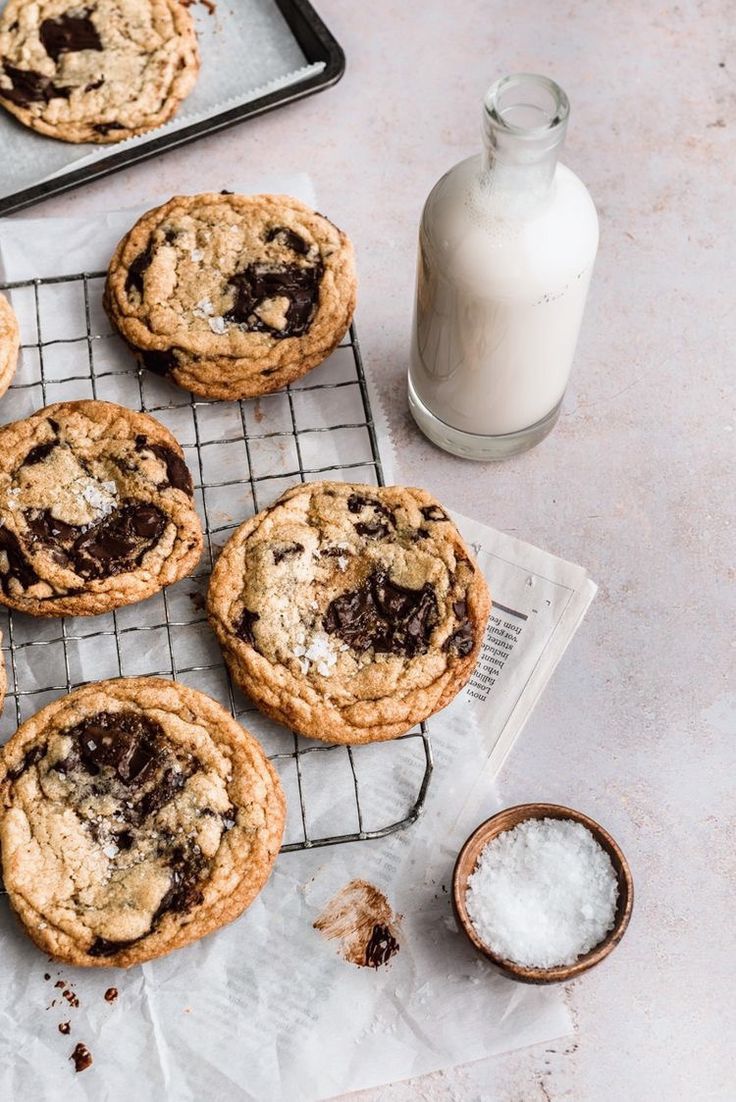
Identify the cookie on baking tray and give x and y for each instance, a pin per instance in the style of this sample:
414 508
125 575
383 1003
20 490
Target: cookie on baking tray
9 343
96 510
136 815
97 71
232 296
349 613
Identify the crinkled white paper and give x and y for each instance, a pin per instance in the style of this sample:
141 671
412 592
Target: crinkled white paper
267 1009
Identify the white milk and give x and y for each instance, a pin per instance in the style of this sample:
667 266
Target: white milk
506 250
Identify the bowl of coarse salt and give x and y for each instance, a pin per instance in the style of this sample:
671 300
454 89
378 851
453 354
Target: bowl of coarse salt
542 891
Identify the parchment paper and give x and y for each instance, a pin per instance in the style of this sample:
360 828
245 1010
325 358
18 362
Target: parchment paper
267 1008
247 51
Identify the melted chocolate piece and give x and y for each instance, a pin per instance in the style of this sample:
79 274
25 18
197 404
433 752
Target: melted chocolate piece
31 757
39 453
94 85
124 840
381 947
69 34
107 128
281 553
134 279
288 239
244 626
384 616
161 794
357 503
28 86
433 512
177 471
101 947
160 363
259 282
373 530
82 1057
119 542
462 639
123 742
43 526
184 892
18 567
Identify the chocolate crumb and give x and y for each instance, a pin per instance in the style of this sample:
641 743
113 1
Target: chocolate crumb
198 601
46 976
82 1057
111 994
65 1028
60 983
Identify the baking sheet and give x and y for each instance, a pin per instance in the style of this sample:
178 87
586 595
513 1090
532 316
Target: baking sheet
248 50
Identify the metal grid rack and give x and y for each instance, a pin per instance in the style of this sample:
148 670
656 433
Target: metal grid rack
277 440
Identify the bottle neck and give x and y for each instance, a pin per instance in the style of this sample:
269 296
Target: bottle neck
524 124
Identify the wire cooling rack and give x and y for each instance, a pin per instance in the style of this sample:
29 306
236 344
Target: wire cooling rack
242 455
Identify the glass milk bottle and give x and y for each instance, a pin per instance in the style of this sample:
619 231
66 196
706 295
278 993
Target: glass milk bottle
507 243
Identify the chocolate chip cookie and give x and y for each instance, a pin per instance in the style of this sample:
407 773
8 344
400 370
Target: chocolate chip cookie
349 613
136 816
96 71
232 296
9 344
96 510
3 676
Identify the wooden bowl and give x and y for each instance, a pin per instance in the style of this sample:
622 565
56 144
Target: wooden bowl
505 820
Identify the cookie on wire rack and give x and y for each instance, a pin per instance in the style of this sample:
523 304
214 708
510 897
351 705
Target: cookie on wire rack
232 296
9 344
96 510
99 71
136 816
347 612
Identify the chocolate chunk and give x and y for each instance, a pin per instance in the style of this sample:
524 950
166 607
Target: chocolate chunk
101 947
381 946
43 526
32 756
39 453
119 542
177 472
94 85
334 552
259 282
82 1057
244 626
160 363
281 553
28 86
18 567
288 239
384 616
170 235
184 892
138 267
374 530
357 503
163 791
124 840
433 512
107 128
462 639
68 34
124 742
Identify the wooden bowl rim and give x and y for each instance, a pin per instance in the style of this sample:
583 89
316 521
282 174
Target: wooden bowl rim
511 817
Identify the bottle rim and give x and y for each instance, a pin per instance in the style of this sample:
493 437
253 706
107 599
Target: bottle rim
507 109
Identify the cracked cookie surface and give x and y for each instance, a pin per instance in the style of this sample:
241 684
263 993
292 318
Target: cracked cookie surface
136 816
9 343
232 296
99 71
347 612
96 510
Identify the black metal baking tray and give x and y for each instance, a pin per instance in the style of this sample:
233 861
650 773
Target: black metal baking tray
315 41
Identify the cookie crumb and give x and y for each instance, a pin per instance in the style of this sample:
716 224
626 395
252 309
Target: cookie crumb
82 1057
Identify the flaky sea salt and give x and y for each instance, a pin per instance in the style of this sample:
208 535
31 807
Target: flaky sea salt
217 325
543 893
203 309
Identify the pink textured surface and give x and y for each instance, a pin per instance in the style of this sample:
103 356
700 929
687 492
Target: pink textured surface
637 727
